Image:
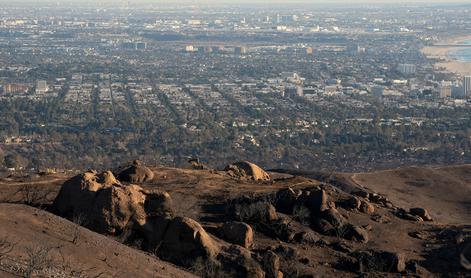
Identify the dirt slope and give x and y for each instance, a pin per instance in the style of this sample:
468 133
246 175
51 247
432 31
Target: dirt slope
445 191
430 248
74 251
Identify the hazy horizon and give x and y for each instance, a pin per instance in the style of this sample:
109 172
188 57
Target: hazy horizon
247 1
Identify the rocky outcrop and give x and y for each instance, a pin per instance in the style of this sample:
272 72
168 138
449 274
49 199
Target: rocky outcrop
237 261
238 233
285 200
252 212
313 207
247 170
369 260
186 240
366 207
137 172
107 207
116 209
127 212
271 264
77 195
421 212
316 200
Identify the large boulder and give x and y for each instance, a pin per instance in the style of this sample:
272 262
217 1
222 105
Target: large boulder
334 217
353 203
257 212
135 173
330 222
248 170
116 209
185 240
421 212
107 179
368 261
238 262
101 203
271 264
315 200
352 232
158 203
76 196
285 200
366 207
238 233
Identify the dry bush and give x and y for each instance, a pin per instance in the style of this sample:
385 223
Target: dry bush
37 260
33 195
79 271
207 268
302 215
5 247
80 220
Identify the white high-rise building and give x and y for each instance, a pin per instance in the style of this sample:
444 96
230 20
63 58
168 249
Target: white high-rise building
406 68
41 87
445 89
467 86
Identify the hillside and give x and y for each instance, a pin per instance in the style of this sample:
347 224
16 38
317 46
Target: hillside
445 191
61 248
241 222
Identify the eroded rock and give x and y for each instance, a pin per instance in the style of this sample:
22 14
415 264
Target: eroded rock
368 261
137 172
185 240
247 170
271 264
421 212
238 233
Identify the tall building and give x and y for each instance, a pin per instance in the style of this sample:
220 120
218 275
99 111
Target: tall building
406 68
240 50
41 86
467 86
445 89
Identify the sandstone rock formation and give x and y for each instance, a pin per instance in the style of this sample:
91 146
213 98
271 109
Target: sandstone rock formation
271 264
186 240
247 170
421 212
114 209
368 261
137 172
285 200
238 233
106 206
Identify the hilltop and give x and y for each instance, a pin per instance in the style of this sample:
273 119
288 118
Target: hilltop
241 222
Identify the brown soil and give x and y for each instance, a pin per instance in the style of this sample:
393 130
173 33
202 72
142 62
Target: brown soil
202 195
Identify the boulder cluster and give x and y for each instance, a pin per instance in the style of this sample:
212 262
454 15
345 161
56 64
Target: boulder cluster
317 213
273 215
102 203
132 214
